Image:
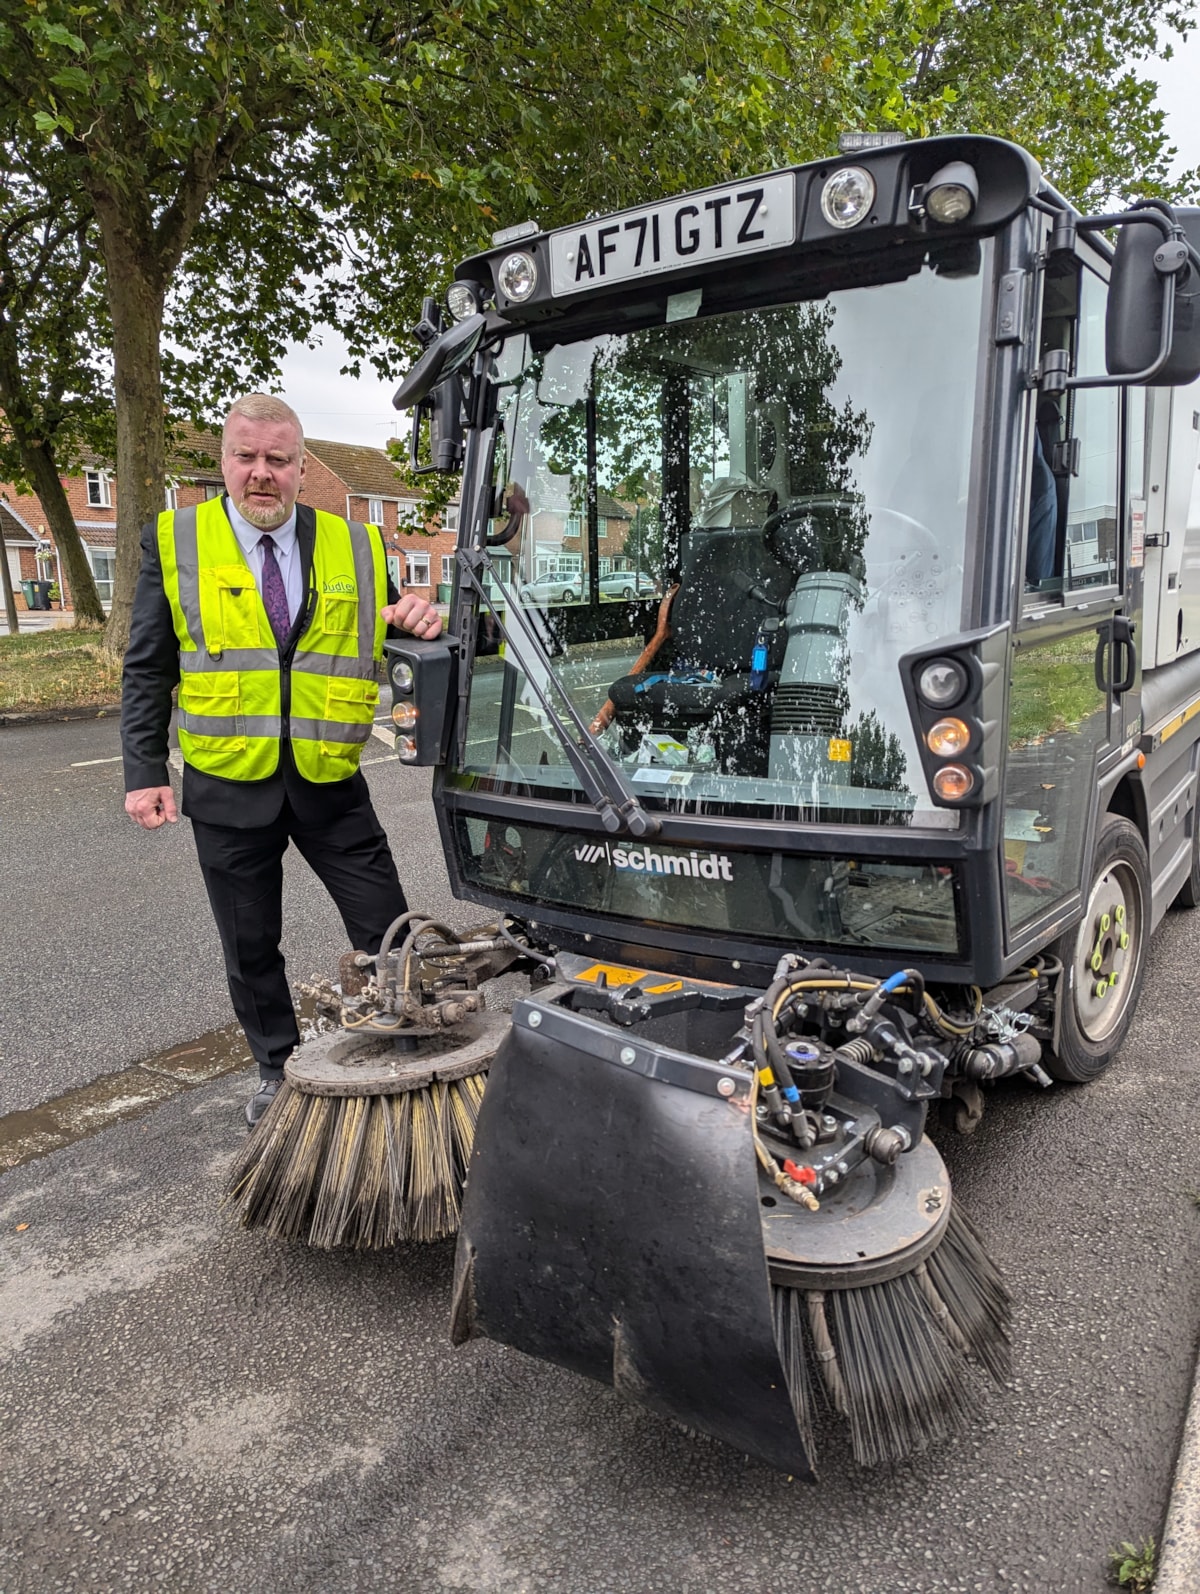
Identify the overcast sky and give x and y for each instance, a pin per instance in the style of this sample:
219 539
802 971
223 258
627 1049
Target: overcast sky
343 410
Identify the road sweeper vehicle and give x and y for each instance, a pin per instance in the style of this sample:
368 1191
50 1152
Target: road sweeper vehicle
818 720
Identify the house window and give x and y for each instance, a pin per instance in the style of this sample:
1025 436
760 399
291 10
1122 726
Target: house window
375 511
418 569
172 501
409 517
98 495
602 525
213 490
450 518
447 569
104 564
573 526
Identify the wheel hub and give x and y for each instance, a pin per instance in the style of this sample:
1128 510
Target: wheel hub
1106 944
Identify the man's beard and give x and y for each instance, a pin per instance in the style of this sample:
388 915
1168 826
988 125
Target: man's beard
265 516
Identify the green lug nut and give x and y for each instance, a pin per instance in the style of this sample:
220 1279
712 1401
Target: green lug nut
1112 978
1119 915
1097 960
1101 989
1105 924
1123 942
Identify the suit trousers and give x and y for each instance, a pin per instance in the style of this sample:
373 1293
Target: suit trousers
243 875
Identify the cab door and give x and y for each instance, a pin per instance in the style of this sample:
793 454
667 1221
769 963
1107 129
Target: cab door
1075 646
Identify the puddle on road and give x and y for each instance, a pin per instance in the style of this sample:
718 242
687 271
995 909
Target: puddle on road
116 1098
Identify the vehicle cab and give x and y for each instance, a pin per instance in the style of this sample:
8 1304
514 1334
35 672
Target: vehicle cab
848 468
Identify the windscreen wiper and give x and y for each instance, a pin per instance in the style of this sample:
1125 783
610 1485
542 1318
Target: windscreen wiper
604 783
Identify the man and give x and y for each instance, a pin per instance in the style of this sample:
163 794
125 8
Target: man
270 619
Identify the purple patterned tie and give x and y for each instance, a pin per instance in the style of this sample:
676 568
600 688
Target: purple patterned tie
273 595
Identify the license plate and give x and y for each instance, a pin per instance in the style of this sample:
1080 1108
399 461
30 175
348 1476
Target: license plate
717 224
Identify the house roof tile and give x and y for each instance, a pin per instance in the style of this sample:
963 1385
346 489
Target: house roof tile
363 469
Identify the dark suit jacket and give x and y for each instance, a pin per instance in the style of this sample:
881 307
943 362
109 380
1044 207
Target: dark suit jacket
151 675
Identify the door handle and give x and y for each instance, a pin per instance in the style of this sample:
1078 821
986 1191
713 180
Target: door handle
1122 634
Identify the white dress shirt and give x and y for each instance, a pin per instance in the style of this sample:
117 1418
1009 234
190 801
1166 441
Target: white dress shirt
287 553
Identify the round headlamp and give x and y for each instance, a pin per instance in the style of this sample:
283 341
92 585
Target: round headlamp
402 677
942 682
847 196
404 715
517 276
952 193
462 300
406 749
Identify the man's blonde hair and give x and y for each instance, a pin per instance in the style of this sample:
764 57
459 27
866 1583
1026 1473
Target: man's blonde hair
263 407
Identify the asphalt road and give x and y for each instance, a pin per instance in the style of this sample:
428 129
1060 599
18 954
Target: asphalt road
186 1406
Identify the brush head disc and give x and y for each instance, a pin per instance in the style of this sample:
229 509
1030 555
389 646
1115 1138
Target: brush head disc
880 1223
341 1063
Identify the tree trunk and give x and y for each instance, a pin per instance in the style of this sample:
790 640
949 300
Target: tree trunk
41 467
42 470
136 306
10 603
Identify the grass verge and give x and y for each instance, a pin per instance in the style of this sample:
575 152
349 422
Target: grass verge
47 670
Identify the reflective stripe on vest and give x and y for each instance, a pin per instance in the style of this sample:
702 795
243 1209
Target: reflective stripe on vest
230 689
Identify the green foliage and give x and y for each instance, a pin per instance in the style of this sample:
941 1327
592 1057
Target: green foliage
1132 1566
235 175
54 333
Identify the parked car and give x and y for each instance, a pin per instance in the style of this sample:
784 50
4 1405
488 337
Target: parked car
564 587
627 584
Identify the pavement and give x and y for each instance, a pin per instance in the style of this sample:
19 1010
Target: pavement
1179 1560
189 1406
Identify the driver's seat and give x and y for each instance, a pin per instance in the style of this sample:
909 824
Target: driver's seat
729 585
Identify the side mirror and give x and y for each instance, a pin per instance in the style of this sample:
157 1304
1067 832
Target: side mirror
1138 296
445 356
444 409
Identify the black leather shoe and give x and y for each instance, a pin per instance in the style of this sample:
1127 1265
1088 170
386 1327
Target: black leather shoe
261 1100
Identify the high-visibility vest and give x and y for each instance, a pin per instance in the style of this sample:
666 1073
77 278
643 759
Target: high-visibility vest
234 696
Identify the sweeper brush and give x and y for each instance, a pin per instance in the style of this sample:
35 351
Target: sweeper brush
367 1142
723 1203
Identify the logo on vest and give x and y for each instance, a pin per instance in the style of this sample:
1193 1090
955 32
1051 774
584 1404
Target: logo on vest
341 584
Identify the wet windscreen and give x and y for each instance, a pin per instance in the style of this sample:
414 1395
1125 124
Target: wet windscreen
725 532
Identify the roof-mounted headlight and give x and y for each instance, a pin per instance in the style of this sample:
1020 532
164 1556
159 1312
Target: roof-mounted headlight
951 194
464 299
517 276
847 196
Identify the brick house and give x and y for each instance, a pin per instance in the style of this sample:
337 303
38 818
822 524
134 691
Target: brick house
348 479
560 539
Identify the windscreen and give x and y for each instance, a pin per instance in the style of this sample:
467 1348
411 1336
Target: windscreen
725 531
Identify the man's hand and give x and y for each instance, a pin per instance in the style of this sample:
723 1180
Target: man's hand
151 807
413 614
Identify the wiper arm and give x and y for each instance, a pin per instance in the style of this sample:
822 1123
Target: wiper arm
605 784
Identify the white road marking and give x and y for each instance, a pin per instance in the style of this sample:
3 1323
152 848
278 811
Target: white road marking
87 763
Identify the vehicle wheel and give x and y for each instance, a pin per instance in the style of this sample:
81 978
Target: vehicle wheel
1189 891
567 596
1104 956
627 592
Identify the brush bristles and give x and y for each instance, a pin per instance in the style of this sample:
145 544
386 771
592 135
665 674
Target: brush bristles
359 1171
890 1356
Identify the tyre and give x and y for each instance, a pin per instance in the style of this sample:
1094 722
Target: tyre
567 595
627 592
1104 956
1189 891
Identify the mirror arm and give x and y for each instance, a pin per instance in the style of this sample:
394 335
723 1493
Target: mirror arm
1173 258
